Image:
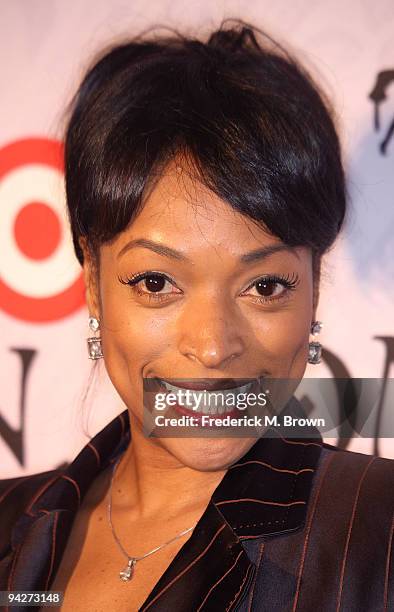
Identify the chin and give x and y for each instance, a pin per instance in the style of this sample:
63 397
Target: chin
208 454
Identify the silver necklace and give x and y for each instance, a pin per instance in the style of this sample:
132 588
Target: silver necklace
126 574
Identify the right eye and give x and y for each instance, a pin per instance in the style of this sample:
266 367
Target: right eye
153 285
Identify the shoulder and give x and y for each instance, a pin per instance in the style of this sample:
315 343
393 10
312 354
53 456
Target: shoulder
343 554
356 459
21 488
351 519
357 467
357 487
18 494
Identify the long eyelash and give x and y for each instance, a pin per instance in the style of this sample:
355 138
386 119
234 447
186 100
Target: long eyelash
136 278
133 281
289 282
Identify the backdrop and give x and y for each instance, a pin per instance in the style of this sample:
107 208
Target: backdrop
45 414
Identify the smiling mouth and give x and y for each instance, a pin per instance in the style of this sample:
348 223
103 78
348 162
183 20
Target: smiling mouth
208 396
205 384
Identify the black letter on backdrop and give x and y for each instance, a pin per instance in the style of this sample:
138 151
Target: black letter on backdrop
14 438
389 341
345 418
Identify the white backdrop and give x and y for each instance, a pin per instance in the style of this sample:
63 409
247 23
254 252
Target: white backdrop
45 46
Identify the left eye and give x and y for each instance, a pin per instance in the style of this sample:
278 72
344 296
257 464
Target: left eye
268 288
271 288
155 283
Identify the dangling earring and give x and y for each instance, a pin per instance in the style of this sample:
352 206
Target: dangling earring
94 342
315 348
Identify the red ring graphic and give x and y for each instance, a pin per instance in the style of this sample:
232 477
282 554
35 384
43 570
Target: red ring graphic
38 310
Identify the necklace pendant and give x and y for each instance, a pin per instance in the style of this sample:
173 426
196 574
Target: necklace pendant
127 573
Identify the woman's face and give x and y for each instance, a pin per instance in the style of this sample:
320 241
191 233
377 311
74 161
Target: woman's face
178 296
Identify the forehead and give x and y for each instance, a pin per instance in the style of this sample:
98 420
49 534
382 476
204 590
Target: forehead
180 211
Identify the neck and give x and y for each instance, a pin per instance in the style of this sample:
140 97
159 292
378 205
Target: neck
149 480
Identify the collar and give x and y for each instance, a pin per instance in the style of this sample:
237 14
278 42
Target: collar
265 493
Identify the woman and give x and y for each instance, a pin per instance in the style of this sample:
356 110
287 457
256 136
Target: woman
204 184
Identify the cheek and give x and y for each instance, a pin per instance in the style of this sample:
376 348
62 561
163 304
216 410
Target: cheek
282 336
132 337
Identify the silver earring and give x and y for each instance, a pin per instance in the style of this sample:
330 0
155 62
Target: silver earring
315 348
94 342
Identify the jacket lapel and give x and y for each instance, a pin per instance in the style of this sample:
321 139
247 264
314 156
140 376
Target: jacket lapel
267 491
208 573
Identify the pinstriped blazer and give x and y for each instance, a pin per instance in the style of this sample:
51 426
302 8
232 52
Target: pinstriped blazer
294 525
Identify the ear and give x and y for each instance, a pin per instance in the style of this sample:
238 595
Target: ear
91 278
316 283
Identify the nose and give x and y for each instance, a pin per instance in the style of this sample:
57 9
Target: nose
210 334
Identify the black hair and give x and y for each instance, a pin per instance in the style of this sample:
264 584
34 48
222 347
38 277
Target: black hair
260 134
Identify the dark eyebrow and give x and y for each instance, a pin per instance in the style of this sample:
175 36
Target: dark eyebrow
263 252
161 249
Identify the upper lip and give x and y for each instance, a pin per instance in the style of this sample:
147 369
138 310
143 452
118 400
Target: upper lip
199 384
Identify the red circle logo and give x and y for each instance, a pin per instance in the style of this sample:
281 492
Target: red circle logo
40 277
37 230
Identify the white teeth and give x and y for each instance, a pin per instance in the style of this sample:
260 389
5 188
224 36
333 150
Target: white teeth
170 387
210 403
